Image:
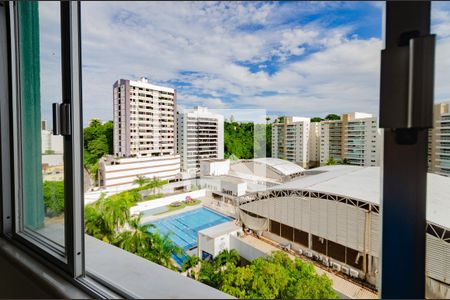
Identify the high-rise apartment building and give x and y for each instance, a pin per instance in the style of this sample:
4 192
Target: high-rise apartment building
200 136
330 141
354 139
144 119
439 140
314 144
290 140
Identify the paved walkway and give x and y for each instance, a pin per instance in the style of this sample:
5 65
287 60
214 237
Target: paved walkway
341 285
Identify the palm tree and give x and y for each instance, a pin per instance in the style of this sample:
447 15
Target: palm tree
141 180
227 256
190 263
162 250
156 184
137 239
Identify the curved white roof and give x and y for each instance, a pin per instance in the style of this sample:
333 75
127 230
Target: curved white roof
282 166
364 183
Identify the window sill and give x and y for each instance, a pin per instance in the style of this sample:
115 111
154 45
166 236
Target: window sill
23 276
140 278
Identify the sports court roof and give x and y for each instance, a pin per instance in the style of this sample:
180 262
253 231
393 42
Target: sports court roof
363 183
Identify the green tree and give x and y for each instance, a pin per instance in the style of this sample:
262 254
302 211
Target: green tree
332 117
331 161
156 184
53 197
162 250
316 119
142 180
191 262
226 257
98 141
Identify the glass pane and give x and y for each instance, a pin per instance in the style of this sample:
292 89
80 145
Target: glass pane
437 254
39 43
276 131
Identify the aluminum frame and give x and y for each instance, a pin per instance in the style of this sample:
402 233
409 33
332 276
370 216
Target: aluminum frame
70 258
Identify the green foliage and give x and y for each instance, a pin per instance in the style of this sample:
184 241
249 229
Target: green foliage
273 277
53 197
141 180
191 262
316 119
49 151
242 140
332 117
109 220
331 161
98 141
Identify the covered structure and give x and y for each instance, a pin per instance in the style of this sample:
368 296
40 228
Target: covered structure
267 169
334 216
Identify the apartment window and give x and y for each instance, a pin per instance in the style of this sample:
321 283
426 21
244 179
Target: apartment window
48 211
58 237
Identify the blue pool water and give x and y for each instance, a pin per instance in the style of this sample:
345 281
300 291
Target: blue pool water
183 228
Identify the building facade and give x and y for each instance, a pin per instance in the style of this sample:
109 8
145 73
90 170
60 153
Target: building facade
290 140
439 141
354 140
51 144
144 119
123 172
314 144
200 136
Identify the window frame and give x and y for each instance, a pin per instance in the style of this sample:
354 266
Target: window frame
70 258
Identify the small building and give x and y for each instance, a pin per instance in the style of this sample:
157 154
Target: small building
114 172
214 167
213 240
273 170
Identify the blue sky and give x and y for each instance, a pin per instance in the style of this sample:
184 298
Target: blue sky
288 58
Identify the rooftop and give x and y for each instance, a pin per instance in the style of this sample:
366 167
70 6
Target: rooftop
220 229
363 183
282 166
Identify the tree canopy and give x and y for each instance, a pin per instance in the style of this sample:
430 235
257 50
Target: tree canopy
244 140
98 141
109 220
274 277
332 117
316 119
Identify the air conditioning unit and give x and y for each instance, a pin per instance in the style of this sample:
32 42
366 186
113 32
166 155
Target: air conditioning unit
345 270
354 273
300 251
336 267
325 261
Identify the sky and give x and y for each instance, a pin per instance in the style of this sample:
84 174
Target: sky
287 58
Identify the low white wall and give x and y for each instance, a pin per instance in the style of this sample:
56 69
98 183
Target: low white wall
245 250
141 206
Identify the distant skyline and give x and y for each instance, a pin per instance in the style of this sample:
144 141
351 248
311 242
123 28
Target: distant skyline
289 58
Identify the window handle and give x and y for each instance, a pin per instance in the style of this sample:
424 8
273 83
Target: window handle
61 119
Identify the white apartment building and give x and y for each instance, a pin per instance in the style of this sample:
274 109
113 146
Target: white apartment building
290 140
314 144
144 119
51 144
439 141
330 140
123 172
355 139
200 136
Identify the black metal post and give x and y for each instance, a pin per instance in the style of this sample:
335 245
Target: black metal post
404 167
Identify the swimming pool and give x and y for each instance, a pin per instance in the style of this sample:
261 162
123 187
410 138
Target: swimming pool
183 228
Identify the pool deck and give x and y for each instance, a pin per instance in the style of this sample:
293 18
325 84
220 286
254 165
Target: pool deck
153 218
224 209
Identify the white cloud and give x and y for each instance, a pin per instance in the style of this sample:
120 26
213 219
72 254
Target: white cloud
215 41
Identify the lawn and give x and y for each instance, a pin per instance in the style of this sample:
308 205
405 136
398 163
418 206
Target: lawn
182 204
